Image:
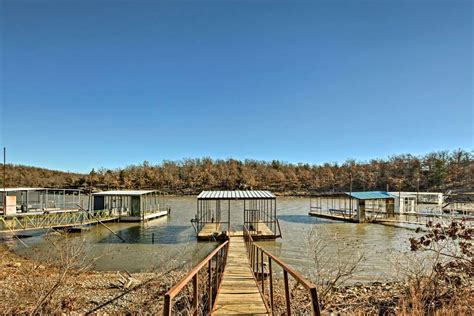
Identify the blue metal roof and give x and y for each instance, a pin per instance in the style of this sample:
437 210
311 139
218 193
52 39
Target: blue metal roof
370 195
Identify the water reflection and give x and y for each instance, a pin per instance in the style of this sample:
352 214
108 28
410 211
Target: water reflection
304 219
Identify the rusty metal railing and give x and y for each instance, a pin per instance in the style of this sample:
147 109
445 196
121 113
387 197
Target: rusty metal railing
259 259
215 263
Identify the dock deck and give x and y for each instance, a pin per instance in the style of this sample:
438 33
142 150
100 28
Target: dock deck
262 231
145 217
209 230
238 293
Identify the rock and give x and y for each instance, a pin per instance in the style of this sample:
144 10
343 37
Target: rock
15 264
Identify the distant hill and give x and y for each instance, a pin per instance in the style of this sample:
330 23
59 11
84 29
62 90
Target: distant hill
26 176
438 171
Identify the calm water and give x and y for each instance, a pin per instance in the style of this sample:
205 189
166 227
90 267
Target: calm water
175 241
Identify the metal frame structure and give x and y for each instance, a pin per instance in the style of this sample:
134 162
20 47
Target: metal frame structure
43 199
259 208
58 219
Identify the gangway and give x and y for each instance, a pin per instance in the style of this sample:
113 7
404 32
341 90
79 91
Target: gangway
237 278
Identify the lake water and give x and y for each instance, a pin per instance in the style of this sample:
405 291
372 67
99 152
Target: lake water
175 242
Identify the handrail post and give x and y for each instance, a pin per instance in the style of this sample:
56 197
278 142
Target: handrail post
255 267
287 293
167 306
209 299
314 302
262 275
271 281
195 294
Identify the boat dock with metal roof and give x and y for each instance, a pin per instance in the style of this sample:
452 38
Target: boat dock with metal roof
214 208
352 206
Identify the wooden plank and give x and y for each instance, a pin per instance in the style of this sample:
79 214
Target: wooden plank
238 294
209 230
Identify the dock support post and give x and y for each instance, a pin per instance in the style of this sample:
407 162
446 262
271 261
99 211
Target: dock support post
361 212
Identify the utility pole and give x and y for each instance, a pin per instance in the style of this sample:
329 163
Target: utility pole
4 179
417 188
90 189
350 189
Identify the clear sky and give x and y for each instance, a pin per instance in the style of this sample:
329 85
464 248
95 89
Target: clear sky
110 83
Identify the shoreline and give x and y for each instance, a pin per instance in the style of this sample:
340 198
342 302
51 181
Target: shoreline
86 291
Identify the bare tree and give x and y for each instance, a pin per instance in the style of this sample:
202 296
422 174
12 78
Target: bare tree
332 266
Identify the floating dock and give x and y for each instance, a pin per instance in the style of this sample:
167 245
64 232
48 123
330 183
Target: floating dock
213 214
145 217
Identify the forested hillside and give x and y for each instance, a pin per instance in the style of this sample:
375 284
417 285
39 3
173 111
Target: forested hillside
435 171
26 176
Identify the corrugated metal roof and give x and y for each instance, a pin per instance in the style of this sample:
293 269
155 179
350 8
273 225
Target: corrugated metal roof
21 189
124 192
235 195
370 195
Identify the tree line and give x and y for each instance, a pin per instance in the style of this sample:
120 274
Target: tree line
437 171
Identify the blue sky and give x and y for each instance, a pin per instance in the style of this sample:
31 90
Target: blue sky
110 83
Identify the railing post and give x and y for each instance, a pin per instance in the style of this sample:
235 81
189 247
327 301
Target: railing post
287 293
195 294
255 267
271 281
252 254
262 276
314 302
209 299
167 307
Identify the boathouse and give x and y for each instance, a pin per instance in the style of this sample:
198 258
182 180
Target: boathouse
407 202
353 206
258 209
132 205
460 203
39 200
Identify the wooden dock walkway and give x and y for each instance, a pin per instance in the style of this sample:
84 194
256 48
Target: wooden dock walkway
238 293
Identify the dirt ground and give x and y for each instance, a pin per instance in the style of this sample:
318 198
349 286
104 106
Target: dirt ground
29 287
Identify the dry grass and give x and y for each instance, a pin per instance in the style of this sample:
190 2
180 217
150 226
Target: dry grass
28 287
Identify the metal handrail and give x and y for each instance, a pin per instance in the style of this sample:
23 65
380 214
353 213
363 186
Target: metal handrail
220 255
25 221
256 255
